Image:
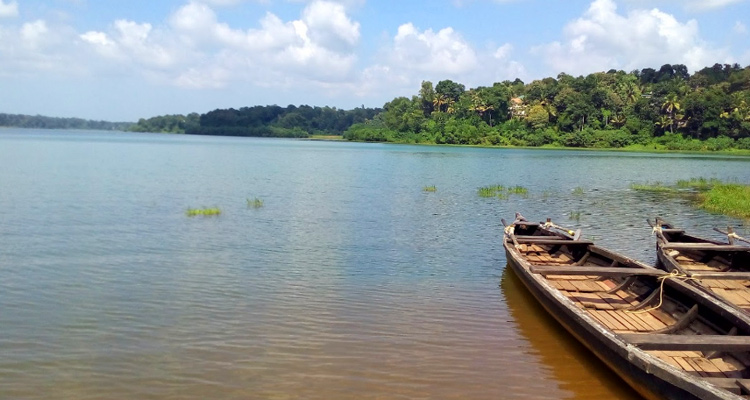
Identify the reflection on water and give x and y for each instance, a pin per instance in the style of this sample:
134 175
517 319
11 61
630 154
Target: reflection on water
572 365
350 281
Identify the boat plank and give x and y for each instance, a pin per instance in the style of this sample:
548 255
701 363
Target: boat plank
688 342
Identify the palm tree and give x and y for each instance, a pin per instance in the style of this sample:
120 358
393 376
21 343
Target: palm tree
480 105
439 101
618 120
670 106
664 122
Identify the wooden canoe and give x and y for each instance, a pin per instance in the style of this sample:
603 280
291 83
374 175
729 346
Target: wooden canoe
722 269
666 338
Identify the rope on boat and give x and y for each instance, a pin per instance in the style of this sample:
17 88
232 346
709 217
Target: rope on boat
672 275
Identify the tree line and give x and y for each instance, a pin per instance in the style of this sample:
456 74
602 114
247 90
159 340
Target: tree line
42 122
665 108
261 121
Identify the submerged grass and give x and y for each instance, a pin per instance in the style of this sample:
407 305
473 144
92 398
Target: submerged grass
255 203
698 183
574 216
502 192
656 187
490 191
206 212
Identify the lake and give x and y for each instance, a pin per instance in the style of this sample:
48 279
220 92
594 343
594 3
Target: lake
350 281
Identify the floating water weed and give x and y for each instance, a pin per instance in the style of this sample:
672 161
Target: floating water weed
574 216
206 212
255 203
490 191
501 191
578 191
432 188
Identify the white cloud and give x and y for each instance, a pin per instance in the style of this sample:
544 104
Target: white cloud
8 10
710 4
603 39
195 49
415 55
427 51
330 26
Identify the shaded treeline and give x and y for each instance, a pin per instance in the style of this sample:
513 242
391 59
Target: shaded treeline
665 108
42 122
262 121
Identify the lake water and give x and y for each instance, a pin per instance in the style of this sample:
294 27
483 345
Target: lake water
350 281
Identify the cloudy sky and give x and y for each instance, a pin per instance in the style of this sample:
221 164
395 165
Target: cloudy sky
121 60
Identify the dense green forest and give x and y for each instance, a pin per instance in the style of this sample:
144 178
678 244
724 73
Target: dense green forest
175 123
265 121
42 122
666 108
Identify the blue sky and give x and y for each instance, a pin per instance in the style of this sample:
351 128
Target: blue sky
121 60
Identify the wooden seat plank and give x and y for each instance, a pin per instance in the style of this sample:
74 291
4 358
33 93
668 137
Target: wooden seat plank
594 271
688 342
543 240
704 246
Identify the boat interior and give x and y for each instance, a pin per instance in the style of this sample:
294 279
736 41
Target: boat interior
656 317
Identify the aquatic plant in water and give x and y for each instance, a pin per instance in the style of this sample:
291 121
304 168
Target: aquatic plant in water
710 194
206 212
652 187
432 188
501 191
255 203
578 191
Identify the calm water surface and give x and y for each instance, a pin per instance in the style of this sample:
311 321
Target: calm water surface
349 282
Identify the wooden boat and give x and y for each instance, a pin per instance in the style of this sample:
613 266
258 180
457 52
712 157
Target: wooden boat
666 338
723 269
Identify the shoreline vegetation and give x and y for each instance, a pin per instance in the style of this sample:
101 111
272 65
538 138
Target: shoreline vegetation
713 195
647 110
644 110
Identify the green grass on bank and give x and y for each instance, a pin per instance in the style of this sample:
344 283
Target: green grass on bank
727 198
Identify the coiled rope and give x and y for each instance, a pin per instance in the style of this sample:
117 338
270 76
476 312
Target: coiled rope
672 275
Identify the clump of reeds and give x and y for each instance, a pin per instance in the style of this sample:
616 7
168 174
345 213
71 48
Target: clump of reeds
578 191
255 203
206 212
432 188
490 191
652 187
518 190
501 191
